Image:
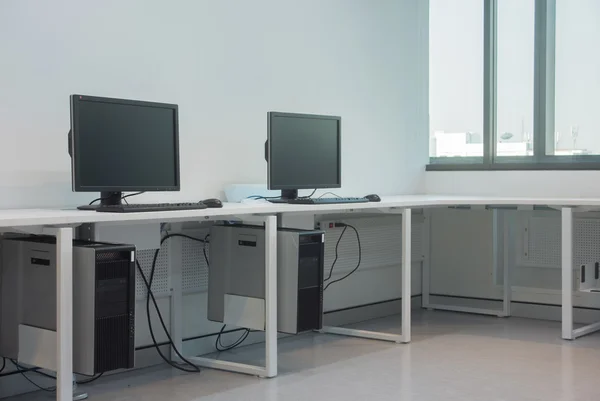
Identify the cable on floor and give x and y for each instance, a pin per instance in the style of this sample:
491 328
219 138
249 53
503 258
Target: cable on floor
218 343
23 369
357 264
221 348
92 379
49 390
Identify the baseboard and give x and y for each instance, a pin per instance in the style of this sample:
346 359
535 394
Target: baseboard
530 310
362 313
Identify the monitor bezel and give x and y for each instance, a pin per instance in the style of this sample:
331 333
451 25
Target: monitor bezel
270 184
77 186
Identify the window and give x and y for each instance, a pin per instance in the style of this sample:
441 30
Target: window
577 110
513 84
456 78
515 65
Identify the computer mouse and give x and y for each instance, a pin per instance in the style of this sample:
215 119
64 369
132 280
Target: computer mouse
373 198
213 202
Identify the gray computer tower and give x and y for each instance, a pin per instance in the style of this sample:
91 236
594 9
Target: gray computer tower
103 299
236 285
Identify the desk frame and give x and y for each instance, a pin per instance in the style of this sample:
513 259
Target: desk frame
60 223
270 368
404 337
498 221
568 332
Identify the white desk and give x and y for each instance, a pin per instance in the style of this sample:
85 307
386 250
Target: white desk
61 222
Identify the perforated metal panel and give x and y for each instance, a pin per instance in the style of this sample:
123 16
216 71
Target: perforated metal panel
380 239
417 240
194 267
586 245
541 239
381 242
160 282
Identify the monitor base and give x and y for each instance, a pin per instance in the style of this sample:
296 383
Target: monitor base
106 198
286 195
289 194
88 207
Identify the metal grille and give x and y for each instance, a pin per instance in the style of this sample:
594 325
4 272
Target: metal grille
113 342
160 283
541 237
586 245
542 242
381 240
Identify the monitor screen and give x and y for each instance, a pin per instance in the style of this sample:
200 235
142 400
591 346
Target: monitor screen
123 145
304 151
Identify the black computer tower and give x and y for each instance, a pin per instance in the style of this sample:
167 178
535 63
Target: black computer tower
236 285
103 299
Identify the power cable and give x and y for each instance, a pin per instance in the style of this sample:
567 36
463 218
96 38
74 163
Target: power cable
357 264
219 345
337 245
49 390
150 295
328 193
122 197
309 196
133 194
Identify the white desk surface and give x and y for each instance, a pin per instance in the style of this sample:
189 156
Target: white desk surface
39 217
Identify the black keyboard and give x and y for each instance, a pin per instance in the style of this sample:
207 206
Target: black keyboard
150 207
326 201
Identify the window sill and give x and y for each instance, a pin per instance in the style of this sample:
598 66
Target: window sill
524 166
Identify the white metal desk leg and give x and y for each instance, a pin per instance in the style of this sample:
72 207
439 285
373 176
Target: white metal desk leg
507 226
64 313
175 252
270 368
567 273
425 277
406 276
271 295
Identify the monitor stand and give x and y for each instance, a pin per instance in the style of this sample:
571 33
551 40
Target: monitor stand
286 195
106 199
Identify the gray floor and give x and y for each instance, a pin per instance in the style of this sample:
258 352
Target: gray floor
452 357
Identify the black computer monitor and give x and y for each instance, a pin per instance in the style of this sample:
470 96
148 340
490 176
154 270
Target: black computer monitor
303 152
119 145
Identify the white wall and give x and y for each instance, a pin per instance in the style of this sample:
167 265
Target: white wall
560 184
226 63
